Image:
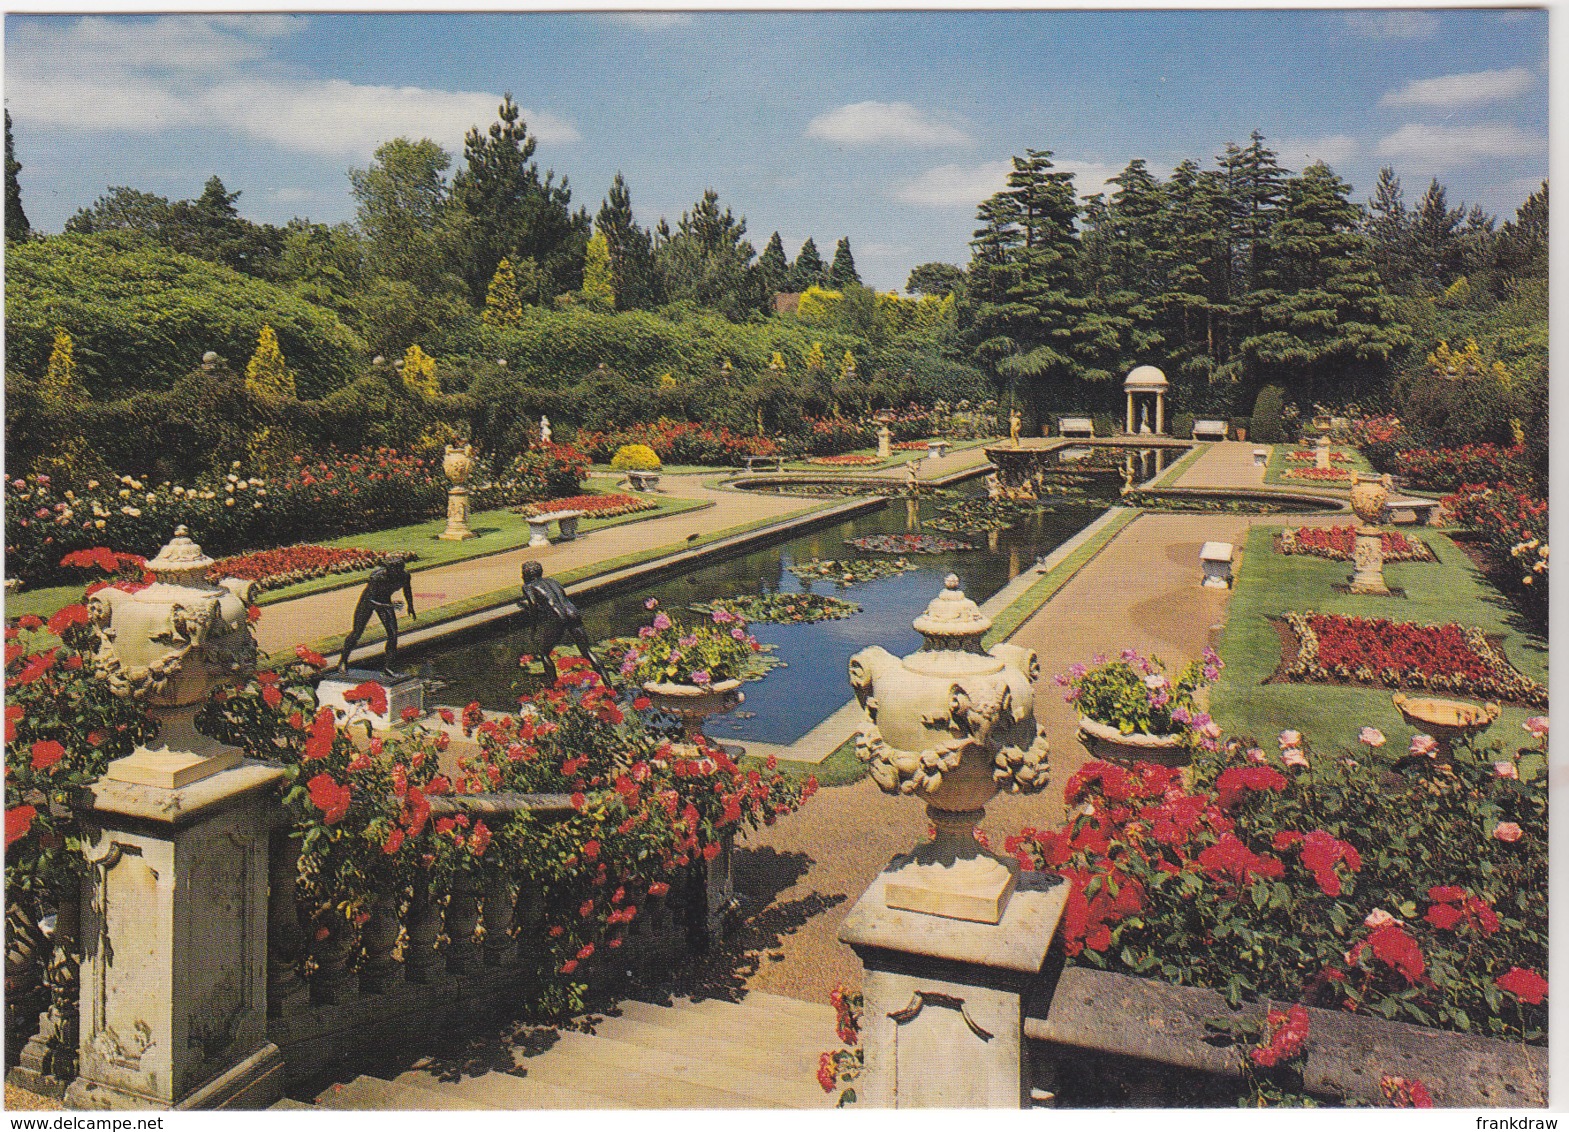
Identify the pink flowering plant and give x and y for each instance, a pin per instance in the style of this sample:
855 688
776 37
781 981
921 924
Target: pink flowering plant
1378 881
682 649
1135 695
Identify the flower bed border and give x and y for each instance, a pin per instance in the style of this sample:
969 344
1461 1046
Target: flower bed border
1506 683
1287 543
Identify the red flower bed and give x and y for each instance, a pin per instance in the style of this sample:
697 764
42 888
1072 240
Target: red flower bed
1317 475
846 461
910 446
1307 456
1364 650
1513 524
1338 543
1447 469
597 506
286 565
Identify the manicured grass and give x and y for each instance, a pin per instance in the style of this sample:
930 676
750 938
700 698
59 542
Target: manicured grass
1269 584
1025 606
840 768
1176 471
667 470
455 610
1274 472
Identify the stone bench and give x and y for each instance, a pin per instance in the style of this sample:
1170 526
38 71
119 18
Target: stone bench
1260 457
643 481
753 461
1075 426
1215 559
1210 430
937 449
1403 512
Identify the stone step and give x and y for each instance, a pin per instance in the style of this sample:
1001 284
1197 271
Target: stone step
779 1060
770 1036
760 1002
287 1105
493 1089
374 1093
689 1069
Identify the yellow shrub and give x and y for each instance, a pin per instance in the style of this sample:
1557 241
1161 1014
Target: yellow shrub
635 458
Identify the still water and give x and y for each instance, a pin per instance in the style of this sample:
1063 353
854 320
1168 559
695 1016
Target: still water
811 682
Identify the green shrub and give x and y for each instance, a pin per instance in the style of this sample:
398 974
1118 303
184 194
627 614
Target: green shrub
635 458
1268 421
1182 425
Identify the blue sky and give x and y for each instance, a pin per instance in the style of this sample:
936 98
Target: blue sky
886 127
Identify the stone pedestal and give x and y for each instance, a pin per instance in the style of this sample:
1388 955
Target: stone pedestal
944 999
1321 452
1260 457
1215 561
884 443
174 943
457 516
1367 557
403 692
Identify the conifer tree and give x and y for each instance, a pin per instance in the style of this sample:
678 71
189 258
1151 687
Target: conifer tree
59 382
1388 226
633 276
502 305
842 274
419 373
808 269
266 375
16 226
773 269
598 285
1196 273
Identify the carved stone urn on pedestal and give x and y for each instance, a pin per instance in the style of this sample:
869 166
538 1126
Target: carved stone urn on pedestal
953 723
457 463
1367 500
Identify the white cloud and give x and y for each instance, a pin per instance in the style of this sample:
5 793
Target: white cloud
1448 147
883 123
1398 24
1332 150
1461 90
954 186
96 75
966 186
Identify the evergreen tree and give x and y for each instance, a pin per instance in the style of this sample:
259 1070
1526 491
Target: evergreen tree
598 286
16 226
419 373
773 269
934 279
508 209
1123 239
992 274
632 271
59 381
708 262
843 272
1435 239
1521 251
404 213
1196 269
808 269
1254 191
266 375
1325 325
502 305
1388 227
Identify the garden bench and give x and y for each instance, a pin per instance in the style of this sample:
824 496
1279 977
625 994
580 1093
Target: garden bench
1403 512
753 461
643 481
1215 559
1210 430
1075 426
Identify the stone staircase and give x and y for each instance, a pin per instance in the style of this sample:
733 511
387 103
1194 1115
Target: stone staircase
759 1053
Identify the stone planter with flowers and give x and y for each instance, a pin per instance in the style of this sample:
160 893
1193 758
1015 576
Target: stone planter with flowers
1131 710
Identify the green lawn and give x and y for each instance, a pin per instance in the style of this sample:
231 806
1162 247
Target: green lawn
1269 584
1274 473
893 461
839 768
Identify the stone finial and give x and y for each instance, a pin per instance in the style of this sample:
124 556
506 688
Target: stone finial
378 360
209 359
502 362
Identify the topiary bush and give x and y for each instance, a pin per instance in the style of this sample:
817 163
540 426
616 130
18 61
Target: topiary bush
1268 421
635 458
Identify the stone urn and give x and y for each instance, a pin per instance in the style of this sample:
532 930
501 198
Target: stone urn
1446 720
692 704
169 644
1368 497
1107 742
458 462
953 723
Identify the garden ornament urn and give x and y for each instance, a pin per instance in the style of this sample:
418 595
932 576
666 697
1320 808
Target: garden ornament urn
1368 497
169 644
953 723
457 463
1446 720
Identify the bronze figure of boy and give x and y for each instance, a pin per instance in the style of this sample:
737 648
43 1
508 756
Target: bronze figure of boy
549 607
377 597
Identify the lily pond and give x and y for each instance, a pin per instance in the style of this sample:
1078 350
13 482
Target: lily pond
809 682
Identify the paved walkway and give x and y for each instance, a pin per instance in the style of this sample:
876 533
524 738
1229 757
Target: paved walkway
1224 464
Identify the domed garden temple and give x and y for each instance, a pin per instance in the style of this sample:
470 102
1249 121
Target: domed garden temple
1146 390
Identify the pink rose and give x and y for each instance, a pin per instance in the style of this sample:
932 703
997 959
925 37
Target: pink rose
1508 831
1291 738
1372 736
661 622
1291 756
1536 726
1377 918
1506 770
1424 746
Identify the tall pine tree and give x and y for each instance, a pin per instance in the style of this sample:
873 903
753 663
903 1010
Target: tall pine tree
843 273
631 250
1388 228
808 269
16 225
773 269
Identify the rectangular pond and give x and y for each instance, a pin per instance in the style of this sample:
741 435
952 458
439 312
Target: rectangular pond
810 681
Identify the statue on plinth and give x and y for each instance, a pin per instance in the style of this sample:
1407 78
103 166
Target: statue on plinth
544 429
377 597
548 606
1013 427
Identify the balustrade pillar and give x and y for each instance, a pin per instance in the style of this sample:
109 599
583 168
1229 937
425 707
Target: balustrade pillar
49 1059
286 941
463 955
423 961
332 947
501 949
382 972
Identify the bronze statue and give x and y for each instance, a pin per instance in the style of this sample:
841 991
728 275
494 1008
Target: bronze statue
548 606
377 597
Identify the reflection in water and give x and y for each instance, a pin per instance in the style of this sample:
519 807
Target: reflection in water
811 683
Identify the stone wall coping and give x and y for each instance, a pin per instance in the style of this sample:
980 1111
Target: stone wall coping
1018 943
187 804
